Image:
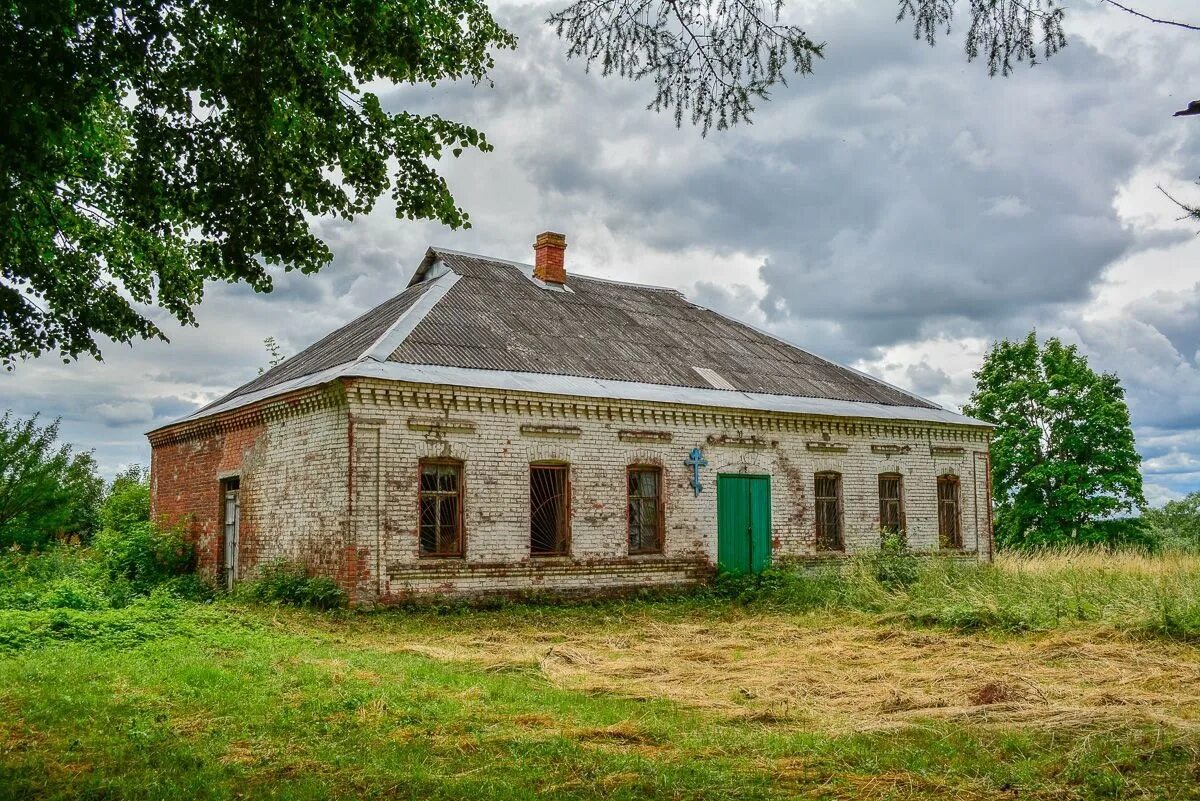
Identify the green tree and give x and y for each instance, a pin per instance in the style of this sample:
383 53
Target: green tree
46 491
1176 523
1063 457
150 146
128 499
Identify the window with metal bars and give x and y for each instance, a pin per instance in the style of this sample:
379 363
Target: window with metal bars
644 487
949 519
549 510
891 504
828 496
440 501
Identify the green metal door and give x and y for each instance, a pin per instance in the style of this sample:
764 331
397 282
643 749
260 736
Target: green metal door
743 523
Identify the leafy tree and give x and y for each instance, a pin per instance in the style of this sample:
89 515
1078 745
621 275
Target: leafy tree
1063 456
1176 523
46 491
128 499
152 145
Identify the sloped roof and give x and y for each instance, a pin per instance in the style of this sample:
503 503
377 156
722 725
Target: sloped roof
479 321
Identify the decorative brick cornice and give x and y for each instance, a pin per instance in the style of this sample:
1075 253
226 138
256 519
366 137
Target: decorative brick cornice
266 410
446 400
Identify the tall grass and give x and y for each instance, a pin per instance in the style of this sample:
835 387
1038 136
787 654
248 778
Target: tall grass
1153 594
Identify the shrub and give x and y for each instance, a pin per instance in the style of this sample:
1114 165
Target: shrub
74 592
894 565
128 500
292 584
144 555
47 492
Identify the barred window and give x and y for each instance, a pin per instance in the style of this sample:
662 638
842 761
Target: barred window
549 510
828 496
891 504
440 502
949 519
644 486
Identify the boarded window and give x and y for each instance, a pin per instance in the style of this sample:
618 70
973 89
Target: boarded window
548 510
891 504
645 509
440 501
828 495
949 519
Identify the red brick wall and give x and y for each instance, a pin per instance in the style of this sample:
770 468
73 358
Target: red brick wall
186 488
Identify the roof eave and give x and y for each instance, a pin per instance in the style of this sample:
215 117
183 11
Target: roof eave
579 386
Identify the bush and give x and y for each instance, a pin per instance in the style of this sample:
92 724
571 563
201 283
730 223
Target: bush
894 565
74 592
292 584
144 555
49 492
128 500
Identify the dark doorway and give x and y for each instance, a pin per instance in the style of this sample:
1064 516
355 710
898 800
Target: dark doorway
549 510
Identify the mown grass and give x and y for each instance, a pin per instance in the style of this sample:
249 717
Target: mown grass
171 698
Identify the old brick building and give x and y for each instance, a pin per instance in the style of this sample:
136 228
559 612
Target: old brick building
499 427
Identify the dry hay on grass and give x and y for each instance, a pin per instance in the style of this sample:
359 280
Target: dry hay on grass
852 675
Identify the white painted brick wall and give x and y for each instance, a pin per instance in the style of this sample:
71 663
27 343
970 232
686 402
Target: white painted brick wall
496 458
344 476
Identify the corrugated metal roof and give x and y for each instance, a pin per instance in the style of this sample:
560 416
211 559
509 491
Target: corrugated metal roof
488 323
495 318
346 344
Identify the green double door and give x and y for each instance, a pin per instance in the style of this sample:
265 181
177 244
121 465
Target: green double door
743 523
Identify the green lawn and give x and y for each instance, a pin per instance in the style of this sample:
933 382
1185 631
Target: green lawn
675 698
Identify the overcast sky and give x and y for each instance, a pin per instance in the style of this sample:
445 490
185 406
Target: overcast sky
898 211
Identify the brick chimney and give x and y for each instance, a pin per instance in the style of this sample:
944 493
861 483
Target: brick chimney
548 252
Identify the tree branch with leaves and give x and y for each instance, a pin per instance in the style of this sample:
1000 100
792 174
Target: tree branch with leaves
709 60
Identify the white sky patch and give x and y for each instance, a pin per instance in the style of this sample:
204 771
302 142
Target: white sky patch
1008 206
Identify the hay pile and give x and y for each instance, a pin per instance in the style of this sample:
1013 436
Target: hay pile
840 676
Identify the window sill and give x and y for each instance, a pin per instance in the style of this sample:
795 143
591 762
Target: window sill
647 555
551 557
435 557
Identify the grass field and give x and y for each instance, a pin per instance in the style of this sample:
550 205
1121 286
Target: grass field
1066 676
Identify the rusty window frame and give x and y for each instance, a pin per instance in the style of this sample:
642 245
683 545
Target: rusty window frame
949 501
828 508
439 495
561 533
891 504
639 500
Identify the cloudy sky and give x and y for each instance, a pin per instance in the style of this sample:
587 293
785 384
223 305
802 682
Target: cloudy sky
898 211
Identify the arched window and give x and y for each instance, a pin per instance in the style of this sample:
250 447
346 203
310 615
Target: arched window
644 493
439 500
949 517
827 494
